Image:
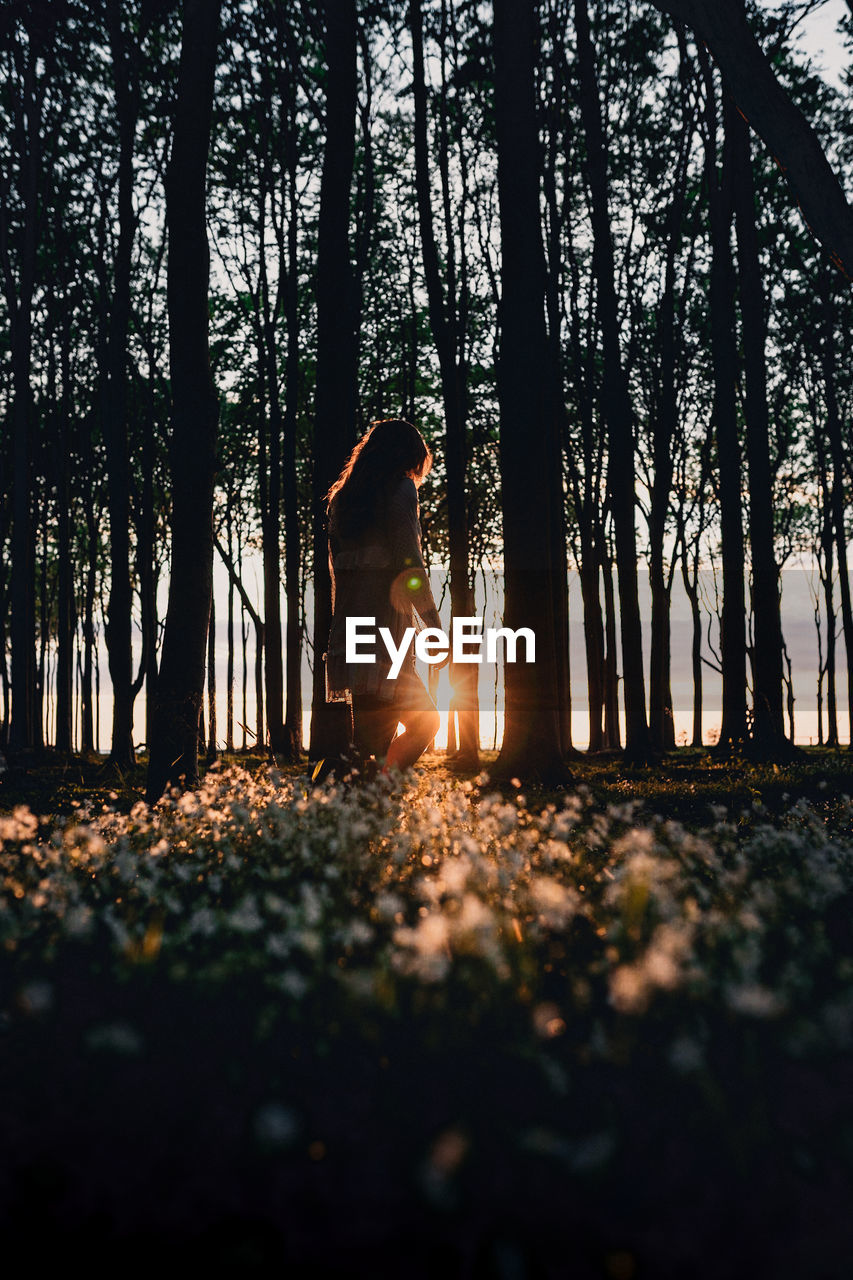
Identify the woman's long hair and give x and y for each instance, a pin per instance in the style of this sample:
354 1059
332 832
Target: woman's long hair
389 450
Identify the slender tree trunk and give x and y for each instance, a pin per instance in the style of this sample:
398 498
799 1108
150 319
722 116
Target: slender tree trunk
87 721
837 495
23 728
692 593
65 571
211 682
273 665
229 705
529 419
593 630
827 548
292 739
444 323
768 722
118 628
733 730
334 433
259 646
174 748
661 724
616 406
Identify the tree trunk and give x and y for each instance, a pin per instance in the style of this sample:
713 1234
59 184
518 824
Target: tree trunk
118 624
616 406
733 730
87 719
271 517
826 554
444 323
65 571
334 432
529 441
211 682
174 748
768 727
292 738
837 495
229 703
23 728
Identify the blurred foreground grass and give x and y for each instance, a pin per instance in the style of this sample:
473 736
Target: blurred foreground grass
430 1029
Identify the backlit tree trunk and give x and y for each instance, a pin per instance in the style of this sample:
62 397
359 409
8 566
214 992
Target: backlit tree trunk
334 432
768 726
616 405
529 442
174 748
724 360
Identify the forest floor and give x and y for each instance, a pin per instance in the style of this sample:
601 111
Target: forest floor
424 1028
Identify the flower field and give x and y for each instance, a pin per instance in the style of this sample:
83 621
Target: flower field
424 1028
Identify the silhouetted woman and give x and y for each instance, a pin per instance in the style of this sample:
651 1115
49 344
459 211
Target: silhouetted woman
377 569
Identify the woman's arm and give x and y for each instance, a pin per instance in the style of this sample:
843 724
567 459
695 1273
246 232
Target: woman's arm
411 583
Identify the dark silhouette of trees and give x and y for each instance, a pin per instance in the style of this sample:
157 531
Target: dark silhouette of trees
533 745
617 409
448 305
544 234
174 745
335 416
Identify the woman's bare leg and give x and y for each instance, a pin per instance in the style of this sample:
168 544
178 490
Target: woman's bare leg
409 746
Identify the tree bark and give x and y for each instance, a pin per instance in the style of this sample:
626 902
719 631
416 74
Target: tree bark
837 495
529 441
174 748
334 432
733 730
292 738
768 728
115 428
23 727
444 323
616 405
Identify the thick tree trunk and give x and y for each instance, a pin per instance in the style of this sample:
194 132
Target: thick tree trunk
529 421
768 727
174 748
334 433
616 406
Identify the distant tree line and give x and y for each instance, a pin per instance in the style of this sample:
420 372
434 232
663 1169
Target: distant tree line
598 250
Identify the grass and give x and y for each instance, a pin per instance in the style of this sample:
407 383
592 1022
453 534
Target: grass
430 1030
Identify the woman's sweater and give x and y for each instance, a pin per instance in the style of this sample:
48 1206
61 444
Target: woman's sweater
379 574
